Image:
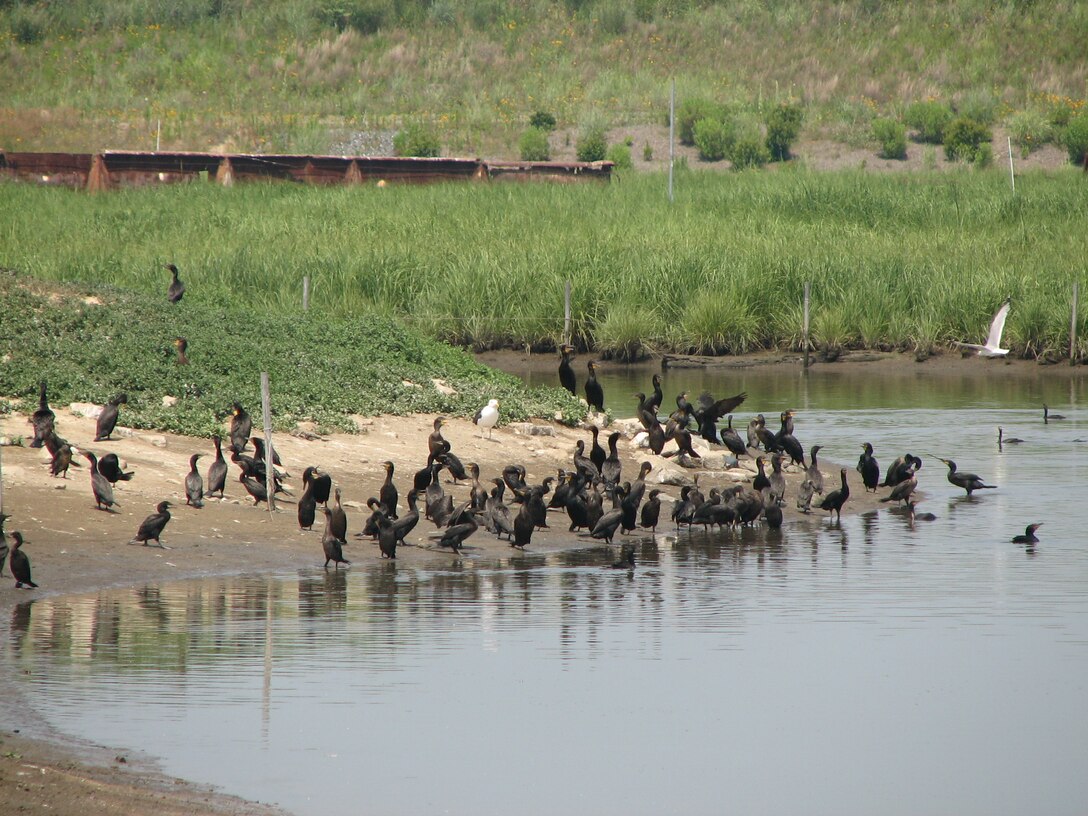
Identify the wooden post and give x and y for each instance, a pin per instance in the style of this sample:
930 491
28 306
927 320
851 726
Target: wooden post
804 328
353 175
305 293
225 174
1012 175
566 313
158 136
99 176
672 133
270 470
1073 329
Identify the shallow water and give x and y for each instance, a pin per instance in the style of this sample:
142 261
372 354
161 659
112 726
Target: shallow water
855 669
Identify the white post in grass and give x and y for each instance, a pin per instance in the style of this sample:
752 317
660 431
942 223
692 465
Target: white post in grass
158 135
566 313
1 481
305 293
672 133
1012 175
804 328
270 470
1073 328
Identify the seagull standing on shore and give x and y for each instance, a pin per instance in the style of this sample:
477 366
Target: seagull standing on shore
488 416
993 339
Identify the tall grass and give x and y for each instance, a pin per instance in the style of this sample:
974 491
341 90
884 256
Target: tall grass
894 262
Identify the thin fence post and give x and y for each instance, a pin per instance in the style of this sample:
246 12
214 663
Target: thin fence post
804 328
1073 328
158 136
672 133
305 293
270 470
566 313
1012 175
1 480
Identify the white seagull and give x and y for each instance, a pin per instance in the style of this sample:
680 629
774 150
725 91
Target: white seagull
993 340
488 416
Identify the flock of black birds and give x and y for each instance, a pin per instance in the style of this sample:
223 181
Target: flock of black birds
583 490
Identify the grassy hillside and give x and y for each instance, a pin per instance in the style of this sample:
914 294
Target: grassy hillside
332 75
895 261
90 342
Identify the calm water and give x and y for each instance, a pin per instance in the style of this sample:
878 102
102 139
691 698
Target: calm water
867 668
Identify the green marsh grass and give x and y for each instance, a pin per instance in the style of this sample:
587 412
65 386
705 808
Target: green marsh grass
894 261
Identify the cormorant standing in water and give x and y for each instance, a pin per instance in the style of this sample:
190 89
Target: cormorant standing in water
194 485
240 428
594 392
804 495
772 513
1012 440
387 537
651 511
760 481
609 523
901 492
153 525
337 519
20 563
968 481
454 536
1047 416
566 373
777 480
100 486
868 468
107 420
1028 537
182 345
176 290
217 471
911 505
332 544
42 420
388 495
110 467
834 500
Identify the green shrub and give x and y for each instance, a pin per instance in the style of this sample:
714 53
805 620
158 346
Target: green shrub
984 156
620 155
591 145
1030 130
416 140
484 14
962 139
714 139
1075 138
28 26
613 17
749 152
542 120
365 16
783 128
979 105
929 120
1062 110
892 136
690 112
648 152
534 145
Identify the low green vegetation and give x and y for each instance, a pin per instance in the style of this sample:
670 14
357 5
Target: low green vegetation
90 342
895 262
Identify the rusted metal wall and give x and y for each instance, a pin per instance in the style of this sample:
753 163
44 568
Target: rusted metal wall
99 171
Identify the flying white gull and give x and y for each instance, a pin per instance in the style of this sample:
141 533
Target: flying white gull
993 340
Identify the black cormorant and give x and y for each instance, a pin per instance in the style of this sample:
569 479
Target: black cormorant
20 562
182 345
388 495
176 290
786 441
760 481
497 517
777 480
1002 440
651 511
653 402
217 471
968 481
240 427
566 373
609 523
43 419
387 537
337 519
915 516
523 527
256 489
454 536
1028 537
597 454
834 500
3 542
813 473
594 392
901 492
731 439
436 443
709 411
110 467
804 495
406 523
868 468
1047 416
772 512
319 483
152 526
611 469
331 543
107 420
582 463
194 485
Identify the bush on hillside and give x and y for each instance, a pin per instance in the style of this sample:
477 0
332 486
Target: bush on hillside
690 112
783 128
620 155
892 136
534 145
365 16
1030 130
542 120
749 152
416 140
1075 138
714 139
929 120
963 138
591 145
